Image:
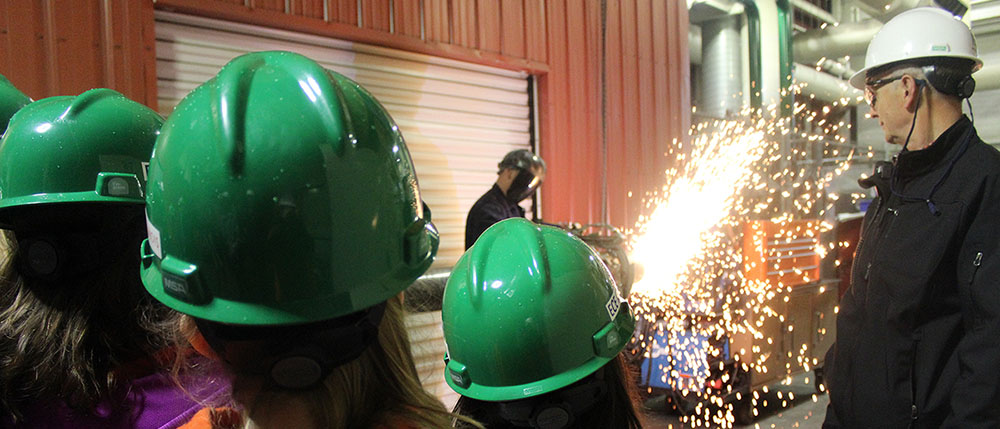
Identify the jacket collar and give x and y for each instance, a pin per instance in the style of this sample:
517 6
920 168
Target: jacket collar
912 163
498 194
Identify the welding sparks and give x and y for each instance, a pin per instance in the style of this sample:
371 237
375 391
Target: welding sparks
735 226
700 197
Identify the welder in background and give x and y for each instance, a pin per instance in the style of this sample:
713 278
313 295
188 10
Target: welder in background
521 172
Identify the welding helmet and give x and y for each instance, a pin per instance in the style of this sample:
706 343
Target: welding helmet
11 100
922 34
281 194
528 310
526 181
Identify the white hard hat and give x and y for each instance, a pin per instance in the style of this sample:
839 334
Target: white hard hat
924 32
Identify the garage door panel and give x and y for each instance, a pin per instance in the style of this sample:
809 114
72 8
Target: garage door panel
214 41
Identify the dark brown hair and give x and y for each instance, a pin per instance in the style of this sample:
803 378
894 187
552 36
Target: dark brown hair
64 340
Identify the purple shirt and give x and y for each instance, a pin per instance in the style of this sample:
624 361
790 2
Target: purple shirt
153 401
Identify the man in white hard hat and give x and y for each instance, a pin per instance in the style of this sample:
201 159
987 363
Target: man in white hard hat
918 332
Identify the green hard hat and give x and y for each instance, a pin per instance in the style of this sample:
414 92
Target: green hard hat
529 309
11 100
282 193
90 148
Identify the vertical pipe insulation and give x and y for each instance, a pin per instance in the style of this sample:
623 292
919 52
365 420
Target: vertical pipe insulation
785 56
753 33
722 67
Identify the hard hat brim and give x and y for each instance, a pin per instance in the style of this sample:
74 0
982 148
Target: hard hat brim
8 206
858 79
623 325
527 390
229 311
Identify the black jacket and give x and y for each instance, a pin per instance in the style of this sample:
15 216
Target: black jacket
491 208
918 331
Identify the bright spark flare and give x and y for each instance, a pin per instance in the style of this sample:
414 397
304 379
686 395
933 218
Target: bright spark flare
732 190
700 197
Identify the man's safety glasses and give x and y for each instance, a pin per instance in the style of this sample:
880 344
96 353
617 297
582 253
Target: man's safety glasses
875 85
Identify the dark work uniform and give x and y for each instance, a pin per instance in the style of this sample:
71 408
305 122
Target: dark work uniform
491 208
918 332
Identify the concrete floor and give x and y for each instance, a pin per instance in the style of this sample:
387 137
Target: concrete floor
807 410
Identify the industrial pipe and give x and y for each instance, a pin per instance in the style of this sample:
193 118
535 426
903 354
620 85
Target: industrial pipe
753 33
722 67
815 11
694 44
987 78
848 39
884 10
785 56
836 68
825 87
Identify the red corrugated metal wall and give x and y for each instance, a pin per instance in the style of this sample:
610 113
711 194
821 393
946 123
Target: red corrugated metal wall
49 50
647 104
58 48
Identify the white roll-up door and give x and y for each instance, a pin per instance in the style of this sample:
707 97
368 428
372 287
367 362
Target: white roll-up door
458 119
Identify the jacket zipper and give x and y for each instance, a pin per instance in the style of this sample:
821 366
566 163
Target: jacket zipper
976 263
881 232
976 306
914 412
866 231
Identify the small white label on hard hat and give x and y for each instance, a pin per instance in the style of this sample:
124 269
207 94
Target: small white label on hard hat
457 378
612 339
154 238
118 187
613 305
176 285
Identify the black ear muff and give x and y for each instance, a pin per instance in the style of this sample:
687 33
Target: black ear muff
294 357
966 86
51 257
555 416
310 358
41 257
558 409
54 244
950 82
300 369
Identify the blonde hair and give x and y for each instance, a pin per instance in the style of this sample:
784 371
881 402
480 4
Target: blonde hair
380 387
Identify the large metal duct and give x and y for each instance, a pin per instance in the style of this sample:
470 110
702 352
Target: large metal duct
694 44
884 10
849 39
828 88
722 72
987 78
815 11
835 68
824 87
